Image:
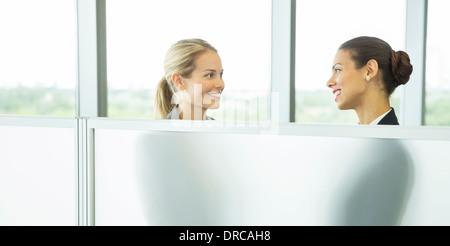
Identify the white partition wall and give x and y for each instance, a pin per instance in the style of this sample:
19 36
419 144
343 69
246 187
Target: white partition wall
38 172
158 173
147 172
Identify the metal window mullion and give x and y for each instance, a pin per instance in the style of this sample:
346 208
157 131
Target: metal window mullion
86 179
91 98
92 87
283 61
413 103
80 159
90 174
102 92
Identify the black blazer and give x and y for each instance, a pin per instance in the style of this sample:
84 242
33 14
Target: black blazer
389 119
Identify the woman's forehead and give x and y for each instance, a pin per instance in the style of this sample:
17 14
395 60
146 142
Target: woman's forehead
208 59
343 57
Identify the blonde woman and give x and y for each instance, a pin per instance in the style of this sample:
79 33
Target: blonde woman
192 83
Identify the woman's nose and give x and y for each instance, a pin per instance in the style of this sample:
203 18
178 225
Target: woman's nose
331 83
220 84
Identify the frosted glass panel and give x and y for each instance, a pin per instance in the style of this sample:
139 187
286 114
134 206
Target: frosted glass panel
37 176
180 178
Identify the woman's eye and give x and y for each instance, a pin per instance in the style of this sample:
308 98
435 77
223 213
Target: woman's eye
209 75
336 70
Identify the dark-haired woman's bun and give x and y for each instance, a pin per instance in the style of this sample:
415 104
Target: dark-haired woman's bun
401 67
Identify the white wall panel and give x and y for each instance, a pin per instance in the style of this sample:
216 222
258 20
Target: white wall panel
38 177
195 178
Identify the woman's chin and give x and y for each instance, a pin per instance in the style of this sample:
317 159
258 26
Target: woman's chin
342 106
214 106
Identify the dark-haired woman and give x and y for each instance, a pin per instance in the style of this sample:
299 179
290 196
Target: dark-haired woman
365 72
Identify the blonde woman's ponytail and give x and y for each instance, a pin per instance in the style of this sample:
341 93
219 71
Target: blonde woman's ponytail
163 98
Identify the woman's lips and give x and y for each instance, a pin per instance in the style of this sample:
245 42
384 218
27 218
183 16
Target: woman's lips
336 92
215 95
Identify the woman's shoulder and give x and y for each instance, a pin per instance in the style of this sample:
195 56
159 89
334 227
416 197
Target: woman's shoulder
173 115
389 119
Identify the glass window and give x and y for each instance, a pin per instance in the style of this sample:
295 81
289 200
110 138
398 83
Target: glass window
322 26
139 33
38 51
437 99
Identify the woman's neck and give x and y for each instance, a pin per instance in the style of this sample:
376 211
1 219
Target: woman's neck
372 108
191 112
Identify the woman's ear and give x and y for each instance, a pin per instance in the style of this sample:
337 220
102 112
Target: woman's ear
178 81
372 68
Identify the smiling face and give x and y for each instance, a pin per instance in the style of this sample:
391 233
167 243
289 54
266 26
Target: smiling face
348 83
205 85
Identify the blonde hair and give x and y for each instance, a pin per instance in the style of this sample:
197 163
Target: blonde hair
179 58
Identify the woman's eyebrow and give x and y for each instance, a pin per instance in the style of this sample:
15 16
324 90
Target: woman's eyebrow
209 70
335 65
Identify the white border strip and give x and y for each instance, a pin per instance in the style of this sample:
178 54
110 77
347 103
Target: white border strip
232 127
294 129
35 121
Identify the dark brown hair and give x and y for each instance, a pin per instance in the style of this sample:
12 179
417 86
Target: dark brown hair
395 66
